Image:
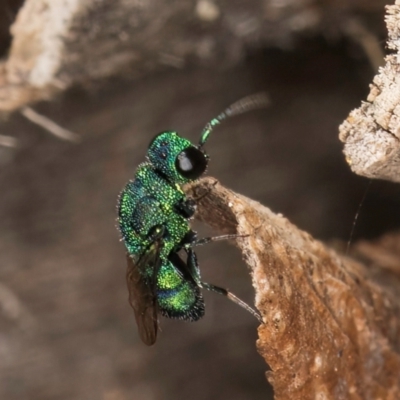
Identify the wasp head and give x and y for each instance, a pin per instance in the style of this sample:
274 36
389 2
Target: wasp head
177 158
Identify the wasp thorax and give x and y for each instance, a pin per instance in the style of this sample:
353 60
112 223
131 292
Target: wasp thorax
176 157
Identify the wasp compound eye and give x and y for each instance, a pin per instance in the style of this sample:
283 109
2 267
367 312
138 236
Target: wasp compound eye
191 163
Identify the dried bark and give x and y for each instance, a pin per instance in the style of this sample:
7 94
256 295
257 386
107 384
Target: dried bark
331 325
371 133
58 43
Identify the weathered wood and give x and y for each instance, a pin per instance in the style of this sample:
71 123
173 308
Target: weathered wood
371 132
58 43
331 328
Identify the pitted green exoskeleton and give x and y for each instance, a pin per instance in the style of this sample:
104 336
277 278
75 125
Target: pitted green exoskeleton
153 218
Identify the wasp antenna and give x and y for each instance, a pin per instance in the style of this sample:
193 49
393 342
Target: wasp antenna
248 103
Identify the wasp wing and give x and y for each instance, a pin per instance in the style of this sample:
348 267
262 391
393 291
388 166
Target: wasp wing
142 296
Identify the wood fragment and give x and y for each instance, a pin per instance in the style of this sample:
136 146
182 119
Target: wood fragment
60 43
371 133
383 252
331 330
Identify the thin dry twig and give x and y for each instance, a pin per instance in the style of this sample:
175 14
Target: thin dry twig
50 125
357 31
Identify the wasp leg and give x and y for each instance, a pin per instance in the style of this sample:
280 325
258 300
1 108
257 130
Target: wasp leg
203 241
191 240
187 207
194 270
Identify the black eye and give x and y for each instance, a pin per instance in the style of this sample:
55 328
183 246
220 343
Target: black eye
191 163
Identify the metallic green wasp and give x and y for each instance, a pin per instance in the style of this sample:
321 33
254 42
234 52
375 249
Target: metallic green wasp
153 218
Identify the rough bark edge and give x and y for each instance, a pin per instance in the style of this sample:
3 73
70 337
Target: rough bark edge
371 133
331 331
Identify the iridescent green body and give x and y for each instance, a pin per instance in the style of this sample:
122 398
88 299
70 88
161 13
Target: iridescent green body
152 199
146 202
178 296
153 218
149 201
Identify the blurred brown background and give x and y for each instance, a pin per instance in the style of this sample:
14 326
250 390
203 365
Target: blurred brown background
66 329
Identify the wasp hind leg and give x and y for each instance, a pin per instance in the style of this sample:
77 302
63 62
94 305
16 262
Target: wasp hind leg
194 270
191 239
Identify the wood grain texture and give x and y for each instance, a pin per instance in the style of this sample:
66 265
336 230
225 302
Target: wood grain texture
371 133
331 328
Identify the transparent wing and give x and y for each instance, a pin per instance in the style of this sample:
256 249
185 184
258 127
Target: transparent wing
142 296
